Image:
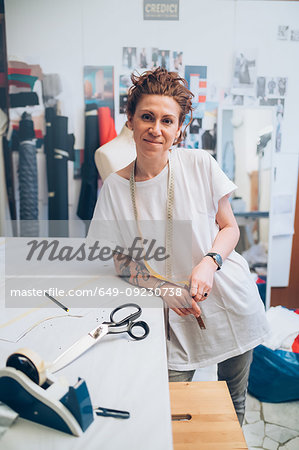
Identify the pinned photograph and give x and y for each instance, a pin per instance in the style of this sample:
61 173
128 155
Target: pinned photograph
124 84
294 35
283 32
278 102
261 87
143 58
244 73
129 60
155 56
163 59
196 77
176 62
271 87
238 99
282 86
98 86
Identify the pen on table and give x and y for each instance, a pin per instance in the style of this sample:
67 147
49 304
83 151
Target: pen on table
56 301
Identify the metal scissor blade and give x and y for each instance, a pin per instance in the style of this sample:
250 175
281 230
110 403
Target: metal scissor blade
78 348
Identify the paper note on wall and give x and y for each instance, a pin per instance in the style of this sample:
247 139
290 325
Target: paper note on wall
283 215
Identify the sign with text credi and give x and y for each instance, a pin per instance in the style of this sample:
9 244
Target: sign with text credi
161 9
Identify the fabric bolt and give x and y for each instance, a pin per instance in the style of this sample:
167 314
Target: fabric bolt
35 69
20 84
28 181
12 70
50 113
3 192
233 313
18 77
23 99
7 152
13 89
26 128
89 173
60 174
106 125
91 107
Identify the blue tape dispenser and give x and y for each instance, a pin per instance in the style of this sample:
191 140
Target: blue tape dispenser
37 395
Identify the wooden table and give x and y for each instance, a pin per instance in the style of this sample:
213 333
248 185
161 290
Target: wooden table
213 424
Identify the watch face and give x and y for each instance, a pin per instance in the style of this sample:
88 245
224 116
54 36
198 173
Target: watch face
218 259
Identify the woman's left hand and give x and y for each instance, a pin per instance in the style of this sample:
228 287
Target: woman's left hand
201 279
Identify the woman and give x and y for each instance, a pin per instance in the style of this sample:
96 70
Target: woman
168 186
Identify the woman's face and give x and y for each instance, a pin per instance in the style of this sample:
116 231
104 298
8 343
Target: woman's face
155 124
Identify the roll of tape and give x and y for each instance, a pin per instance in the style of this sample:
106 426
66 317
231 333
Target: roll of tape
30 363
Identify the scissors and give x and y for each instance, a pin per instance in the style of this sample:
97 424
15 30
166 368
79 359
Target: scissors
122 320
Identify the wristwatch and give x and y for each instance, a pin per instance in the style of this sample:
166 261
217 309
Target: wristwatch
217 258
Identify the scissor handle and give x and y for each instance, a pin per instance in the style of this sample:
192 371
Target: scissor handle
140 324
130 317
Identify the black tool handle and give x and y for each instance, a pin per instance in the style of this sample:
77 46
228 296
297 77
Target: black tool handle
135 332
106 412
128 317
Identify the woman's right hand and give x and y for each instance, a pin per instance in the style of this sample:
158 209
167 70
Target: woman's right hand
179 300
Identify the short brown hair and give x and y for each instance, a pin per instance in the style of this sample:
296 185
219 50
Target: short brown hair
161 82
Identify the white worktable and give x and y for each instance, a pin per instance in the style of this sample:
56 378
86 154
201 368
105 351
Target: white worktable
120 373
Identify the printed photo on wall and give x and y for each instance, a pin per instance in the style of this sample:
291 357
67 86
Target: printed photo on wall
99 86
176 62
163 59
294 35
143 58
244 73
202 131
124 84
196 77
283 32
155 57
271 87
129 59
278 102
238 99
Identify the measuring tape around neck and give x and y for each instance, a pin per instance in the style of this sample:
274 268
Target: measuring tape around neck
169 221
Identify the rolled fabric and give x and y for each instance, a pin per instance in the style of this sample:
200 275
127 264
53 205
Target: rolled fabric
106 125
89 172
60 176
28 181
35 69
14 78
50 113
23 99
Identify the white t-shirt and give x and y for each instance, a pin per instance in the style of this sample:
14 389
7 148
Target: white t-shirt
233 313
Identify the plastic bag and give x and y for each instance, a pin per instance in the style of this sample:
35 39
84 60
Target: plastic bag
274 375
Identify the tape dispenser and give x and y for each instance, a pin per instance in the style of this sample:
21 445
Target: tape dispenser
37 395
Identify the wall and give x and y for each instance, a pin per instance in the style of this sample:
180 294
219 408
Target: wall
64 35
